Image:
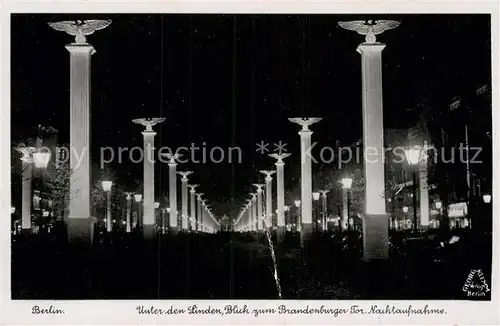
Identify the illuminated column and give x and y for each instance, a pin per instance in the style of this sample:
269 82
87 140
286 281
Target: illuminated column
192 195
203 216
345 218
260 215
376 220
148 215
269 195
172 182
324 209
27 174
249 215
254 212
80 223
306 173
184 192
424 193
129 208
280 191
200 212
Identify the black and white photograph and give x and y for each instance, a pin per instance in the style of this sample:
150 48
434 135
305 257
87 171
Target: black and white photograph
190 156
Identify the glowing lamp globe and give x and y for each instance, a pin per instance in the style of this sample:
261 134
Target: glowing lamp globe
346 183
413 155
405 209
487 198
169 210
316 195
106 185
439 205
287 208
12 209
297 203
41 159
157 204
45 213
138 197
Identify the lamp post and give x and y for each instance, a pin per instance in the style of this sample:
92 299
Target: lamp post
106 186
487 198
324 209
405 210
184 196
297 204
138 199
346 202
129 208
413 158
316 195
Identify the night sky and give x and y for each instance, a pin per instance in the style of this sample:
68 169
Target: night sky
234 80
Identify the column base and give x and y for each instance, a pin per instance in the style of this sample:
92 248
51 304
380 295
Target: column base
80 230
173 230
280 233
306 233
149 232
375 236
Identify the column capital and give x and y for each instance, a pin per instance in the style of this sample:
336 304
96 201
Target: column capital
280 157
80 48
365 48
148 133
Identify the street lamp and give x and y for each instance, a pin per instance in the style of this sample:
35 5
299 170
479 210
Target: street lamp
299 217
41 159
346 200
438 205
405 210
316 195
157 204
138 199
413 158
106 186
487 198
12 209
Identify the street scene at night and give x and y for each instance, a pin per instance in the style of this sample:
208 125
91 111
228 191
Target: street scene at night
251 156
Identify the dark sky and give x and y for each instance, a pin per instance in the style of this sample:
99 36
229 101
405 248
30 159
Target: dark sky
234 80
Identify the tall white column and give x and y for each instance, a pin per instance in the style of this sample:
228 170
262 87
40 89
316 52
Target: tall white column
27 176
306 173
80 223
345 218
184 196
148 215
269 195
200 212
249 215
376 220
324 213
172 182
260 215
280 189
424 193
192 194
129 208
254 212
109 223
203 216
